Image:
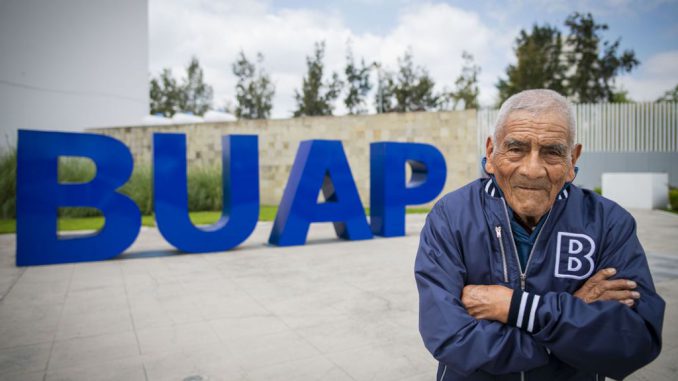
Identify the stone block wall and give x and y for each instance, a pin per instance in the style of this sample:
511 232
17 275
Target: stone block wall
453 133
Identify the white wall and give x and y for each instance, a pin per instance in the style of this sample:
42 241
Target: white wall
637 190
69 64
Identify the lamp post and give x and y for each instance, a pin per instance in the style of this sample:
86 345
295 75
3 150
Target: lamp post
380 94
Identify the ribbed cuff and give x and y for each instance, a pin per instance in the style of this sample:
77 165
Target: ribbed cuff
523 310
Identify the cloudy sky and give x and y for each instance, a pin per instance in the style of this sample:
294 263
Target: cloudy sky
437 32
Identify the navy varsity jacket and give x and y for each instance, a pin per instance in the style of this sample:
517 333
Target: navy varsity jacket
551 334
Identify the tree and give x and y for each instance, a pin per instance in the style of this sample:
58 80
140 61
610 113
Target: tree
540 64
594 68
621 96
411 89
316 96
584 68
669 96
167 97
357 82
165 94
254 91
466 85
196 94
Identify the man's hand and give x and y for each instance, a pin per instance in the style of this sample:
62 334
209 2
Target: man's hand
599 288
487 302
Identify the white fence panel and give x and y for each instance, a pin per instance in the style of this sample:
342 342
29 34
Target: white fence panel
612 127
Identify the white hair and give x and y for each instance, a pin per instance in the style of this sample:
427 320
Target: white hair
537 101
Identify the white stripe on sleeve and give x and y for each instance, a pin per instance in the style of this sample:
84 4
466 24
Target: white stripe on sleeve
533 313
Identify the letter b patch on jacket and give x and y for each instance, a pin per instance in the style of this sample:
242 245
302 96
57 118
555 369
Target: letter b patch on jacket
574 256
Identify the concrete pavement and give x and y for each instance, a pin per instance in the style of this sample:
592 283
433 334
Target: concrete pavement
329 310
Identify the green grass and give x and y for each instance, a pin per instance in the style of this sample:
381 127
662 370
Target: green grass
266 213
7 226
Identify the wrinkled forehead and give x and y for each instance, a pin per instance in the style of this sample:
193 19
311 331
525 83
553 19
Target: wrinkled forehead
550 124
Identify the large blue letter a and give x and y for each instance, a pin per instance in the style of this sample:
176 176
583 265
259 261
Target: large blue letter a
319 165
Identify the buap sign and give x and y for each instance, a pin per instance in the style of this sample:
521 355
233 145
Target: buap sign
319 166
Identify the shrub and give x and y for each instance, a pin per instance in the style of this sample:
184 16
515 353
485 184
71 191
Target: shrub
8 184
76 170
204 189
204 186
673 198
139 188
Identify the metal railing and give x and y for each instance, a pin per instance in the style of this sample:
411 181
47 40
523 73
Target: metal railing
613 127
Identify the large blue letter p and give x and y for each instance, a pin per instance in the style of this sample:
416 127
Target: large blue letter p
389 191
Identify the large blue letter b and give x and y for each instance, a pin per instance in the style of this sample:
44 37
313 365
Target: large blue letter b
39 196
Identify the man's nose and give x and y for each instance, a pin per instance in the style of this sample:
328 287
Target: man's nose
533 166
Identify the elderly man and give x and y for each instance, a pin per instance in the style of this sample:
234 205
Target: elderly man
524 276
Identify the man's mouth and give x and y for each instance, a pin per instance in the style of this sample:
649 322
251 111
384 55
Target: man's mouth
532 189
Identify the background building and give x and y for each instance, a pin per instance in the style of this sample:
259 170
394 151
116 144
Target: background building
68 65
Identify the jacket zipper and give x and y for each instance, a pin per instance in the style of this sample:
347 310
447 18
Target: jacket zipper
497 229
523 274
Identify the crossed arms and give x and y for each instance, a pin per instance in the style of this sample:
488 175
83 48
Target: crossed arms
493 302
468 327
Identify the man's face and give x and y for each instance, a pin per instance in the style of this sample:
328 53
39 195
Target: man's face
531 160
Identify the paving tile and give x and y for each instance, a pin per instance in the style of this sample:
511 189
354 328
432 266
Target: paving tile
23 376
170 366
211 361
351 333
251 352
242 327
26 358
316 368
28 324
127 370
93 350
51 273
217 362
663 368
97 275
36 293
93 323
426 376
182 337
8 277
214 306
99 298
385 362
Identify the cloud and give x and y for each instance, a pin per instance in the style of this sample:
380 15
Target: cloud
215 31
654 77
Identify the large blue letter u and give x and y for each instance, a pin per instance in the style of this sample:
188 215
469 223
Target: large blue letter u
240 163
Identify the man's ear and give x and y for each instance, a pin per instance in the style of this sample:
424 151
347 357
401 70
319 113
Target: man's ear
489 150
576 152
